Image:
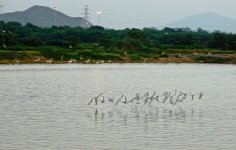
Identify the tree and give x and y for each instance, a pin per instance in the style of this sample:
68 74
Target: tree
135 40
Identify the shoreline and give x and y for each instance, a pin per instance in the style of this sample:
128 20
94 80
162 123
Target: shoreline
209 58
160 61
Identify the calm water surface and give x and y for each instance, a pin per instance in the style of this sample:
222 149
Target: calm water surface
44 107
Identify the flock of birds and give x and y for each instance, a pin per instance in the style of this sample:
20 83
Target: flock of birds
172 98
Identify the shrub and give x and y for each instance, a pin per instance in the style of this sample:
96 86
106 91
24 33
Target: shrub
88 54
163 55
53 53
208 59
135 57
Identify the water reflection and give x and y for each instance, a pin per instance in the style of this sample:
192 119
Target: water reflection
137 114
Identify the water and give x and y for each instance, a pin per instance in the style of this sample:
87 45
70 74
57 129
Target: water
44 107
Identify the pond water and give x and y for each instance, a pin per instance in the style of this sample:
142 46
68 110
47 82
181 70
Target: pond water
45 107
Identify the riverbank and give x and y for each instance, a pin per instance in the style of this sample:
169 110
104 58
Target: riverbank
36 58
32 44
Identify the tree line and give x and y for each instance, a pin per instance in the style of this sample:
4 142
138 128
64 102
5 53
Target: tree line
15 36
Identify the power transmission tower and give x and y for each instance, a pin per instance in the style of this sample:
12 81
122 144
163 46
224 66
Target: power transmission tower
1 29
1 8
86 12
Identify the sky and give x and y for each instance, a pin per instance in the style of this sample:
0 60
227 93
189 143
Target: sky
130 13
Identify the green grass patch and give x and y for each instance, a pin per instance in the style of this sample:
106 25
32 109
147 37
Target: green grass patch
8 55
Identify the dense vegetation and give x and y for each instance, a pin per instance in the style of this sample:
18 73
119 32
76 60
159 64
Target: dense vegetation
99 43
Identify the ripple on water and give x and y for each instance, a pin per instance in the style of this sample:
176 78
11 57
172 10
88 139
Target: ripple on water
45 107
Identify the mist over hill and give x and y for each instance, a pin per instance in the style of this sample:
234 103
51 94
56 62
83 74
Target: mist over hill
44 17
208 21
47 17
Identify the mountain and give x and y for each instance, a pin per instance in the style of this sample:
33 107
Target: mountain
208 21
44 17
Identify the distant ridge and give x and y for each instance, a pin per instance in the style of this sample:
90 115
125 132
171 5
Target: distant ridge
208 21
44 17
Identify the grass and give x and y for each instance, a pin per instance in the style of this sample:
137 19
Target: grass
61 55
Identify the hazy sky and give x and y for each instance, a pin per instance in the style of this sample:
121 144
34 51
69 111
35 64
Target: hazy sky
131 13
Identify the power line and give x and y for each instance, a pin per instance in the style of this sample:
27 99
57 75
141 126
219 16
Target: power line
86 12
128 18
1 8
119 23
